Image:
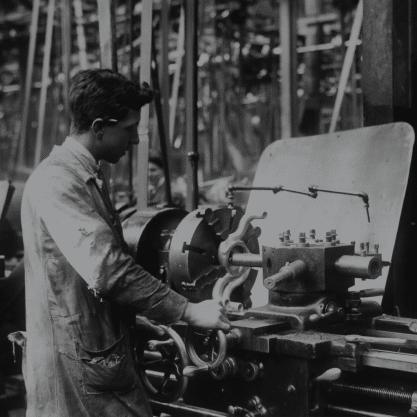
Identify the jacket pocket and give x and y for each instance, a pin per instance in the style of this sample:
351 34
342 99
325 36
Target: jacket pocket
107 370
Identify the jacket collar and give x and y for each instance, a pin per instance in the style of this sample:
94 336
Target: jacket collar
84 162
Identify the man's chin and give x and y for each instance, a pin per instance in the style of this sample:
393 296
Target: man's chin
114 159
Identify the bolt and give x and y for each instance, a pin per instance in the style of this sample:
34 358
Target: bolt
291 390
376 248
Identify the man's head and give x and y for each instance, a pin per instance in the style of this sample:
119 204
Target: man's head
106 106
155 168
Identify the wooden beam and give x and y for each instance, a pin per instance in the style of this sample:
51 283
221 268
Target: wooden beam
29 78
177 76
289 99
66 56
141 174
108 55
164 62
107 33
347 65
45 81
191 132
389 69
82 48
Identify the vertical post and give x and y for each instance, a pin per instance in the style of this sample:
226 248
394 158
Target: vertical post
390 95
29 77
177 75
107 33
347 65
108 53
82 48
145 76
66 55
164 91
130 32
289 100
45 81
310 117
191 7
164 73
377 64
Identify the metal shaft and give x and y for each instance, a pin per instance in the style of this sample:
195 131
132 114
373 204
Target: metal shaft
375 392
359 267
354 412
287 272
246 259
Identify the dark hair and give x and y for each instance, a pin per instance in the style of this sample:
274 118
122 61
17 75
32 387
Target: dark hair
103 93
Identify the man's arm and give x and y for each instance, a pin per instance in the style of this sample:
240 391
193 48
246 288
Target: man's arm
88 243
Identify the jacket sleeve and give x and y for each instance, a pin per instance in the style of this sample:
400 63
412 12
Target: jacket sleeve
65 206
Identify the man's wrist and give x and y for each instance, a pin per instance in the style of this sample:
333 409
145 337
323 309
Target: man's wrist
188 313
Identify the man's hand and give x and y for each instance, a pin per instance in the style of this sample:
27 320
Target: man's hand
144 323
208 314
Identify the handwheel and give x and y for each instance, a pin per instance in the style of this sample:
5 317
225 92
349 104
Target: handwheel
161 362
205 347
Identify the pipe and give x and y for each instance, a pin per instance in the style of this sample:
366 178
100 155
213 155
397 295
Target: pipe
287 272
354 412
368 267
182 409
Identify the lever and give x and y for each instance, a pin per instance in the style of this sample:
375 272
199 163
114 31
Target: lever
154 344
365 198
330 375
372 292
193 370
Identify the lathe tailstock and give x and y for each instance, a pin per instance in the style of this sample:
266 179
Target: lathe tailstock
319 344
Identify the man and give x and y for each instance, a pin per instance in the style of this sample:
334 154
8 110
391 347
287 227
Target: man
156 180
78 271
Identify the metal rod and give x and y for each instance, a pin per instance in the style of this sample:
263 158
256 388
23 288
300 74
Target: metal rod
314 189
246 259
355 412
375 392
275 190
179 409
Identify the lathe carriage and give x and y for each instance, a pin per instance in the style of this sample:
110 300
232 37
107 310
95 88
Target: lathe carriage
321 344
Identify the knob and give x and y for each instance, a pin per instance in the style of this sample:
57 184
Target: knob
250 371
330 375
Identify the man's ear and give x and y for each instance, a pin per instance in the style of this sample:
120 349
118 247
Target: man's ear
97 127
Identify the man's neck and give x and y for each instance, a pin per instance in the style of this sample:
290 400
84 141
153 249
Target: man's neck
85 140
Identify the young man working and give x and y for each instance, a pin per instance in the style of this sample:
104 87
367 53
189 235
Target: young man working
79 274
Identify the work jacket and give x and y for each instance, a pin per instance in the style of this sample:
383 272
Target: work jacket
78 276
